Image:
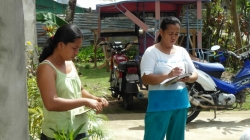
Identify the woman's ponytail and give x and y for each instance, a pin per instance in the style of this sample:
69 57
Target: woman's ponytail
47 50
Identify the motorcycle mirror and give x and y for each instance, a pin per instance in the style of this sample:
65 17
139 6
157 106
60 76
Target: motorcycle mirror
215 47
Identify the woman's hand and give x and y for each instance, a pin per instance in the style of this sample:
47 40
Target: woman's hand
175 72
94 104
104 102
185 79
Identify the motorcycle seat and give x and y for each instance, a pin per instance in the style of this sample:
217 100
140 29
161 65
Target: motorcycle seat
209 66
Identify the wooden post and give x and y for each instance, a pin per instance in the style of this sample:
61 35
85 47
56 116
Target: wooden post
192 42
96 40
199 24
107 57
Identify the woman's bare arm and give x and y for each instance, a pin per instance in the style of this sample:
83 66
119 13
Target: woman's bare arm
46 83
154 79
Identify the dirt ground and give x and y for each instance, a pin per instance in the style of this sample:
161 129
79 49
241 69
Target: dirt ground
229 125
116 106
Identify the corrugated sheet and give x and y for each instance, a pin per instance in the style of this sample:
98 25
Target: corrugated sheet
192 19
41 36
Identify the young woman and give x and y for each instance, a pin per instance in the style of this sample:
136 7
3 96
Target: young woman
167 105
63 97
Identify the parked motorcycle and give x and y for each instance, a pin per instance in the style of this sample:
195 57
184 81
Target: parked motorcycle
124 74
211 92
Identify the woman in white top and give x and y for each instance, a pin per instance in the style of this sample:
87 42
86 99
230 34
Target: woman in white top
167 105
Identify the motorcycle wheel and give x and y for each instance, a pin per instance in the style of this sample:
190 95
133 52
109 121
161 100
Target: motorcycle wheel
128 101
193 112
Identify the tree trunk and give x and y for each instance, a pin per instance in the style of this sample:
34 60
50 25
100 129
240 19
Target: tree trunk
236 24
233 10
70 11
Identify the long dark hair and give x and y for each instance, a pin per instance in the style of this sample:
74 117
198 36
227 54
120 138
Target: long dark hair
66 33
165 22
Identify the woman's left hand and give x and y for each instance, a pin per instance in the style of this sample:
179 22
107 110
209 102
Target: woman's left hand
185 80
104 101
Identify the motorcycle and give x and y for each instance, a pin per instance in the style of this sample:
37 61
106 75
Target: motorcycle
124 74
211 92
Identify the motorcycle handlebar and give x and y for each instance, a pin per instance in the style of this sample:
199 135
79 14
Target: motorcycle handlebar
124 46
232 53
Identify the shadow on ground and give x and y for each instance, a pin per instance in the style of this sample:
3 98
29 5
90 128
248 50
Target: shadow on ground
227 126
116 106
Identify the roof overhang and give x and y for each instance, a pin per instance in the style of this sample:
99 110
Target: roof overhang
144 5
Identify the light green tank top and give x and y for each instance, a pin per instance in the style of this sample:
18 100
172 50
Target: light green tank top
67 86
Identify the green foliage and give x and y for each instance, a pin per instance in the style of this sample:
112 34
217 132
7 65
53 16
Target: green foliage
87 66
213 24
50 18
219 28
51 22
97 126
85 54
34 98
35 121
132 52
69 135
97 129
99 54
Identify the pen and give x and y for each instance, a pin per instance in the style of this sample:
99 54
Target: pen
169 66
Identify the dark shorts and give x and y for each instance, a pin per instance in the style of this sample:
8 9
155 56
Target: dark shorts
78 137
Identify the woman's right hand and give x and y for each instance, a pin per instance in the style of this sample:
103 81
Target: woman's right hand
94 104
175 72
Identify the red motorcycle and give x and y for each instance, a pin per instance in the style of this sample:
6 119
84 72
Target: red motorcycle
124 74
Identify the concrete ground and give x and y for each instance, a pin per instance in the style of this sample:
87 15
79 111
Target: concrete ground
229 125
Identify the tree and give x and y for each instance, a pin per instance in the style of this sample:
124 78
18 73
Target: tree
70 11
232 4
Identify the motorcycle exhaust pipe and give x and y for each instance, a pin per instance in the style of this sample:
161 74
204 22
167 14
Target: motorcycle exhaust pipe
197 103
194 101
139 95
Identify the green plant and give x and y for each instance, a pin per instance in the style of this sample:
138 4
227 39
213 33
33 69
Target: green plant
97 126
34 99
35 121
85 54
99 55
69 135
50 18
87 66
132 52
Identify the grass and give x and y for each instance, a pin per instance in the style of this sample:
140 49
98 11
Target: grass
94 80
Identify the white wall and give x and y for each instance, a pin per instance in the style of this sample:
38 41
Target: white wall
13 96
